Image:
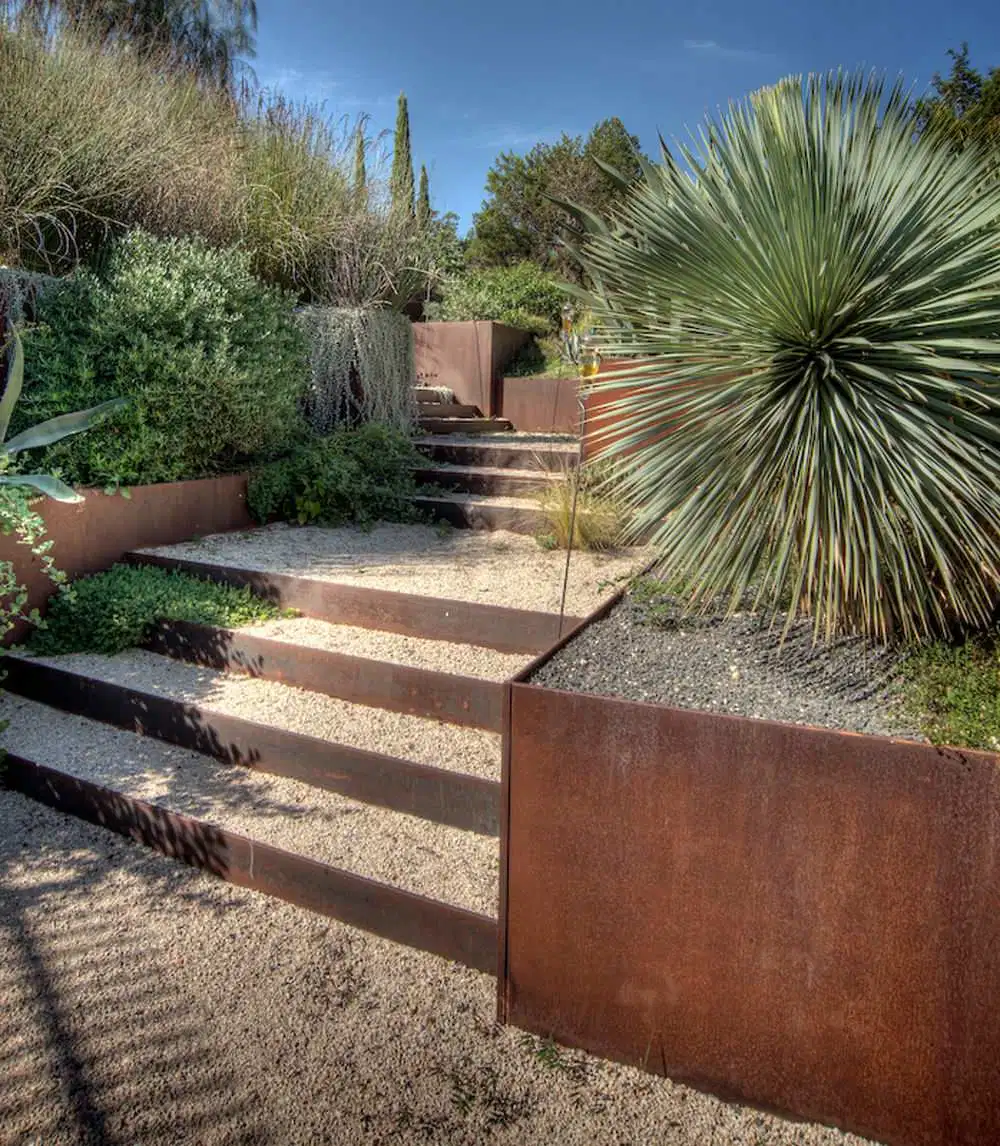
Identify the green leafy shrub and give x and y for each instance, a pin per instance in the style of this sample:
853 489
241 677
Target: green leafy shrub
541 358
523 296
953 691
812 411
116 610
362 476
213 364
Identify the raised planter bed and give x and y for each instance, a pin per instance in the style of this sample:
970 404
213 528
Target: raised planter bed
92 535
801 918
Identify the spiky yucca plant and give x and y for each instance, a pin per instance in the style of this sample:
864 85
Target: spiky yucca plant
815 306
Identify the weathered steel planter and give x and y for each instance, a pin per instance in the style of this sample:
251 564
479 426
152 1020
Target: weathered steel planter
93 535
801 919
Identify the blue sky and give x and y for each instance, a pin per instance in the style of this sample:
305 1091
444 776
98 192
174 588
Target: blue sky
484 78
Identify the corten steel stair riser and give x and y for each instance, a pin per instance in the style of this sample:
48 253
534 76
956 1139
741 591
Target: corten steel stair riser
465 700
437 794
445 930
415 615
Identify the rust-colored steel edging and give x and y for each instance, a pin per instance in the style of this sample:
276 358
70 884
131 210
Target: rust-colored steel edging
402 916
469 701
452 798
575 627
413 614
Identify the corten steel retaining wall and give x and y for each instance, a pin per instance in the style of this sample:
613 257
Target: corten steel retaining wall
802 919
468 357
94 534
541 405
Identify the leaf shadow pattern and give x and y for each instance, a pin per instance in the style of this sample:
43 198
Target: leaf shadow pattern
96 1044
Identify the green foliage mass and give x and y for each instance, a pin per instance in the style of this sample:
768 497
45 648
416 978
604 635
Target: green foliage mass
963 106
519 221
351 476
212 362
523 296
97 139
953 691
116 610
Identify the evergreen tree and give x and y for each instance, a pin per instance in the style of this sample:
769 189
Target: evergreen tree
423 201
402 161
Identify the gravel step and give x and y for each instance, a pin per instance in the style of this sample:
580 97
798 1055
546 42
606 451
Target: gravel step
439 409
415 652
425 394
494 481
463 425
483 511
503 451
442 863
414 738
489 568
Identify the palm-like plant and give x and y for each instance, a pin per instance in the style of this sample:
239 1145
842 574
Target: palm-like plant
44 434
814 311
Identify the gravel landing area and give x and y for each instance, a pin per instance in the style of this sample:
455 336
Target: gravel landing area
146 1003
498 568
416 738
430 859
438 656
737 666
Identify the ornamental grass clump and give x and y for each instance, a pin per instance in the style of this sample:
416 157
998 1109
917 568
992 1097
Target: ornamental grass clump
812 309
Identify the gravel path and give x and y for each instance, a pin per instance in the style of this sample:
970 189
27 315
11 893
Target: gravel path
146 1003
735 666
439 656
416 738
498 568
431 859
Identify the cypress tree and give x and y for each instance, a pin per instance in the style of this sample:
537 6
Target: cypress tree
423 200
402 161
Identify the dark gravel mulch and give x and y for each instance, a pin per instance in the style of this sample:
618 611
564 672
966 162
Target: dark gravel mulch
650 651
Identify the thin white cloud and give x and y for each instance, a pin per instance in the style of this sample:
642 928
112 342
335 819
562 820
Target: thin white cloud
314 86
512 136
724 51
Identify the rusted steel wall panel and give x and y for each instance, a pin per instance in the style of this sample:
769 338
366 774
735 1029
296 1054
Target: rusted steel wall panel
803 919
437 794
402 916
91 536
542 405
435 618
469 701
468 357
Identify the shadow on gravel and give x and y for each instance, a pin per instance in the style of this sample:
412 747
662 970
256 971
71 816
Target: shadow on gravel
95 1046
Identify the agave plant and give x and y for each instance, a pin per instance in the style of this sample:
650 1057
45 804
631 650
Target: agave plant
813 312
44 434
